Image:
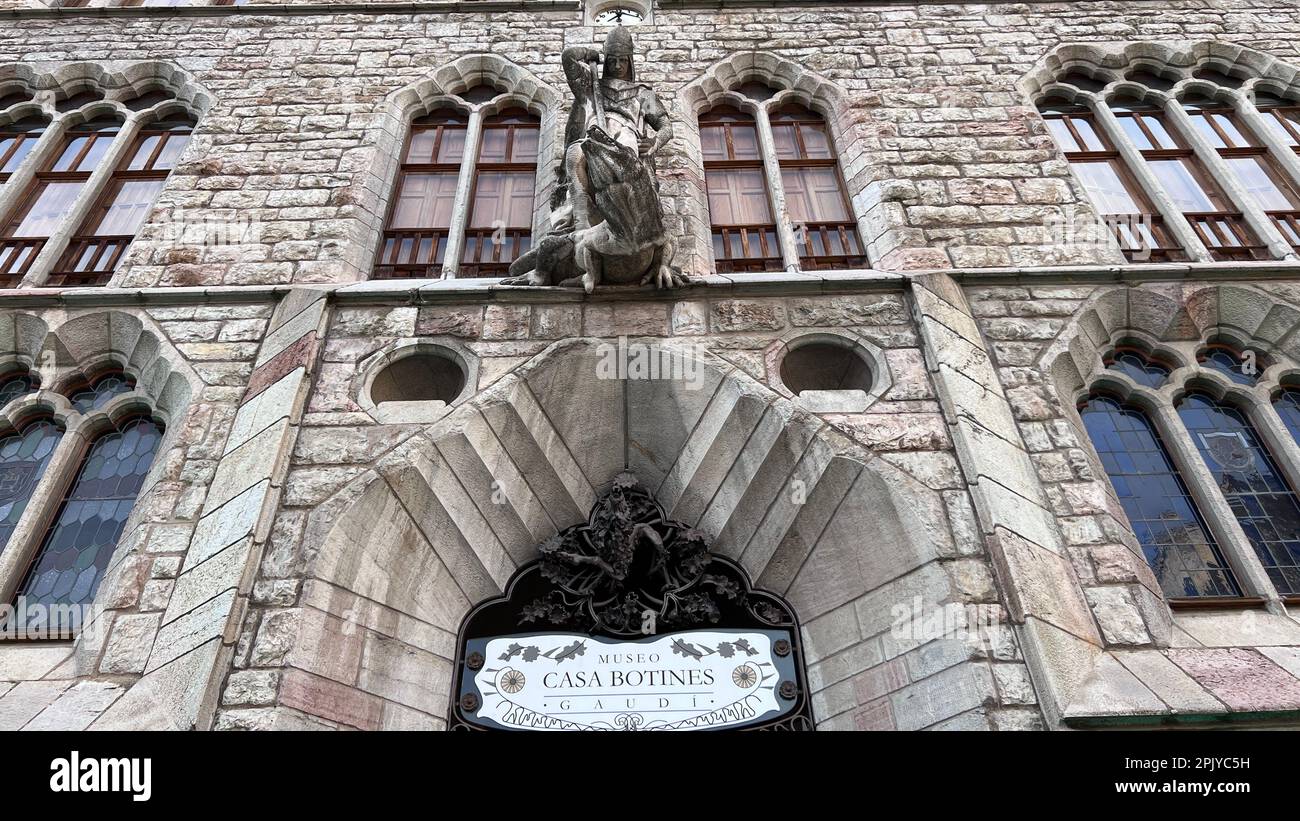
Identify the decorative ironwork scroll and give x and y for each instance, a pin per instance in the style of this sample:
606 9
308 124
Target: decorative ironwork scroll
628 621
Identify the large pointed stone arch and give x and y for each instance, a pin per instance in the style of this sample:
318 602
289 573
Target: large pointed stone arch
445 518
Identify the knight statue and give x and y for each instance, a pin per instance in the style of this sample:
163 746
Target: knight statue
606 218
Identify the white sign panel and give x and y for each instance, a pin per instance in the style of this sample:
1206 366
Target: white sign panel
697 680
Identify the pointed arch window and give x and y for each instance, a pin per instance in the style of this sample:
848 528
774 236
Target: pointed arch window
1264 504
77 547
108 231
24 456
16 142
1177 544
49 200
491 161
740 205
1287 405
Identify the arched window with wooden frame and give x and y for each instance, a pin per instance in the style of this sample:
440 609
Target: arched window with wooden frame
1255 170
501 208
101 241
740 204
48 201
826 234
418 227
17 141
1108 181
1217 222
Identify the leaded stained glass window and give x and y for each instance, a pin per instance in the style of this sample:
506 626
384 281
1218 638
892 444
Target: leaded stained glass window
1139 367
1265 506
1179 547
79 544
1287 405
14 386
24 455
100 391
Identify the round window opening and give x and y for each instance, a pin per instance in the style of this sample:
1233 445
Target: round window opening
422 377
825 366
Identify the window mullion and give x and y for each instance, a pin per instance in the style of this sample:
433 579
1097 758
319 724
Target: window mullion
1219 518
85 203
1227 181
464 189
776 190
45 502
1172 215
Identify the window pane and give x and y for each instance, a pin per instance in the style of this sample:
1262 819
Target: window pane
505 198
129 207
1181 186
98 149
15 386
1287 405
143 152
99 394
525 145
1061 133
1139 368
452 148
22 146
1202 122
1262 183
421 148
813 195
787 145
80 543
70 153
815 142
23 459
1264 505
1106 188
1229 363
171 152
47 213
737 196
1091 140
1277 120
494 145
713 142
425 201
1182 553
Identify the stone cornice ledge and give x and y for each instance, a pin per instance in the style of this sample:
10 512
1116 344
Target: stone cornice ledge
297 9
433 291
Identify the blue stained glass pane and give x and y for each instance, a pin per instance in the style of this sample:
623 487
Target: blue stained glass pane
1287 405
23 459
1231 364
79 545
1139 368
1178 546
101 391
15 386
1265 506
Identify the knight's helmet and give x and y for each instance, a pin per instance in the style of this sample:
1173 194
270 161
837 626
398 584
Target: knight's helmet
619 44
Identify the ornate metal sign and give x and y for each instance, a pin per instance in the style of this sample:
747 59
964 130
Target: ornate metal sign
628 622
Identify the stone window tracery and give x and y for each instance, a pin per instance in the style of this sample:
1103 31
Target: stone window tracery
464 200
1189 437
84 166
776 196
72 463
1196 170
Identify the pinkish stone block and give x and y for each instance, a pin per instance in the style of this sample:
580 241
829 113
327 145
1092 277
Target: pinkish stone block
874 716
1245 680
330 700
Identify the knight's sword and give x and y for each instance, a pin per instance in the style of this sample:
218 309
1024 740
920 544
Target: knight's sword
597 103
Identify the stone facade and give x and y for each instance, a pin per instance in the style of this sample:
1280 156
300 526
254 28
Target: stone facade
301 555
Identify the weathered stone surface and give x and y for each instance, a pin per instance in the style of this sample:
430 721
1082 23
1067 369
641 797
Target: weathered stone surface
1243 679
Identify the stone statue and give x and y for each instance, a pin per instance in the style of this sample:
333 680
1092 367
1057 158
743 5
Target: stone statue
606 219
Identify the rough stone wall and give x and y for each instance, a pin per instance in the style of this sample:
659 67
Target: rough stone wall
360 653
944 157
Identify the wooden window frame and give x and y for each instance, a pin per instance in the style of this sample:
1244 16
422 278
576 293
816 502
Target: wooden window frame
846 229
27 249
10 130
750 235
481 236
1158 243
1224 232
110 249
